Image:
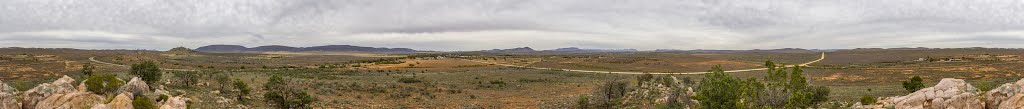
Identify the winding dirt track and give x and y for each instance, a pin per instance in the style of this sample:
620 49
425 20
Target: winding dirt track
635 73
93 59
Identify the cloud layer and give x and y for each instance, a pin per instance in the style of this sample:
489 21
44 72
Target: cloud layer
451 25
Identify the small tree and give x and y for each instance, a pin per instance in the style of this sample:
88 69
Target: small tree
915 83
148 71
223 80
243 90
282 95
719 90
185 79
103 83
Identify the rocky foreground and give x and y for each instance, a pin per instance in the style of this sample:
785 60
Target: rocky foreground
955 94
61 94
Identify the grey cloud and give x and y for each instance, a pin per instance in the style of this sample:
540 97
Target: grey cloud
483 24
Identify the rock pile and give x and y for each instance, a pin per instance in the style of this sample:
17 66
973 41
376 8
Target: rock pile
60 94
1007 96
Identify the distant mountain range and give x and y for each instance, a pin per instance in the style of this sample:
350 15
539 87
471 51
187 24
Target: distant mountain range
520 49
274 48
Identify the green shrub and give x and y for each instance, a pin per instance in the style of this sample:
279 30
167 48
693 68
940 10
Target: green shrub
819 94
497 82
915 83
868 100
719 90
141 102
163 97
148 71
243 91
409 80
103 83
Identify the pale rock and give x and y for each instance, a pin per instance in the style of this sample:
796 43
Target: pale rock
135 86
121 101
8 97
178 102
32 96
949 93
75 100
1002 94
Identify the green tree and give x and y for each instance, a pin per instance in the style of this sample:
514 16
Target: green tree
797 81
915 83
148 71
281 94
719 90
103 83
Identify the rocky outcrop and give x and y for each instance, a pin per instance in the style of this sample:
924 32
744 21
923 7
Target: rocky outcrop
135 87
121 101
1007 95
174 103
8 97
32 96
949 93
76 100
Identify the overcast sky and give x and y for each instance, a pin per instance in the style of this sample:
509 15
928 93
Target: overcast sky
451 25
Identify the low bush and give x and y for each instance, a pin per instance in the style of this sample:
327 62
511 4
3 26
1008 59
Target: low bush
141 102
868 100
103 83
409 80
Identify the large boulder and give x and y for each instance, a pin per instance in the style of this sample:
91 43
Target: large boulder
61 86
135 86
1006 95
76 100
121 101
8 97
949 93
175 103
